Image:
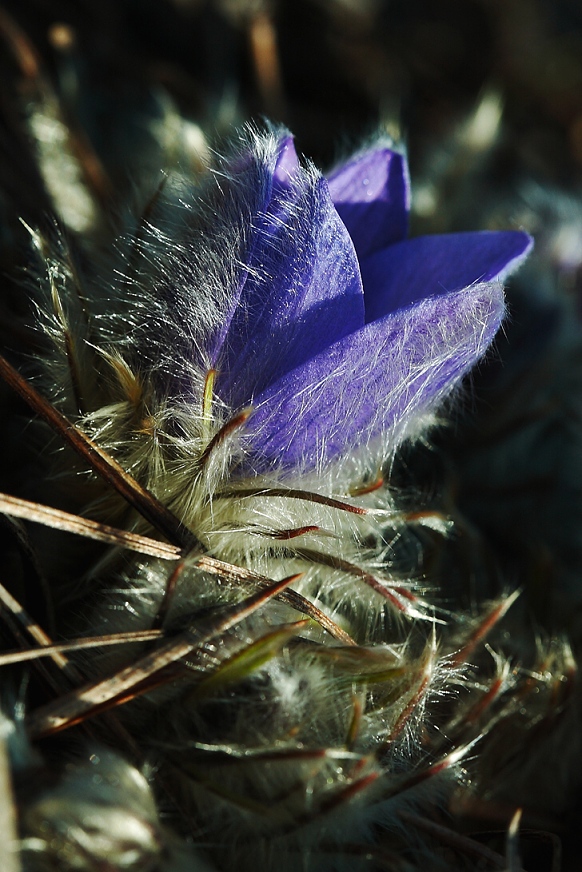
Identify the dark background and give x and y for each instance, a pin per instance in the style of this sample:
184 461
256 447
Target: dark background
333 70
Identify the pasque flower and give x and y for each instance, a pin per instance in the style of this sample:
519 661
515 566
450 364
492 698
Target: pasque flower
270 340
309 304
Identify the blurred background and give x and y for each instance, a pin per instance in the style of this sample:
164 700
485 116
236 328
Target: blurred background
485 95
332 70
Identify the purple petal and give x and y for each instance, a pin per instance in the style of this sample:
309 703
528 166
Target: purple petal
379 381
433 265
298 288
372 195
287 167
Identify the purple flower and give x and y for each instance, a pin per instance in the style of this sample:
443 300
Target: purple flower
338 331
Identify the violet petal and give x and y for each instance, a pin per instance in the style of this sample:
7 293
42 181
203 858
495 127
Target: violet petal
298 288
379 381
433 265
371 192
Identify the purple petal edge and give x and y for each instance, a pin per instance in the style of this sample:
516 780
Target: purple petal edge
433 265
371 193
376 384
298 287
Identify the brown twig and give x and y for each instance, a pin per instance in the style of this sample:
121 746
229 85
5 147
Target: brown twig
59 520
